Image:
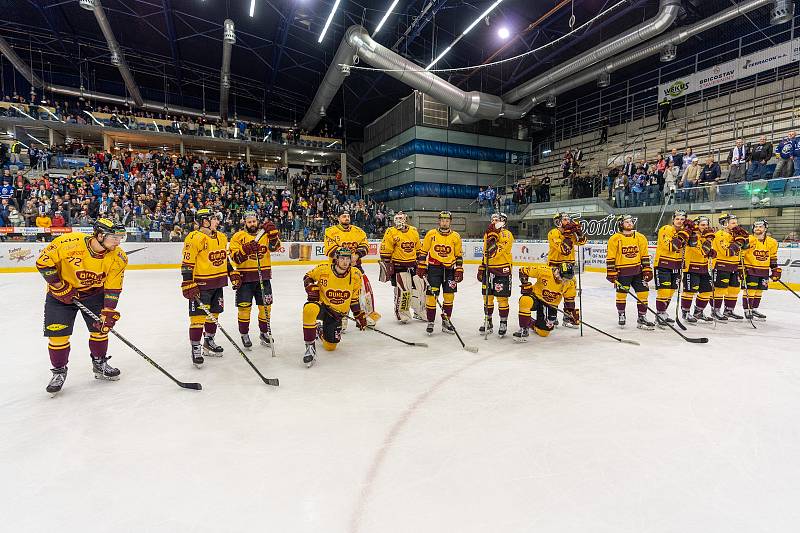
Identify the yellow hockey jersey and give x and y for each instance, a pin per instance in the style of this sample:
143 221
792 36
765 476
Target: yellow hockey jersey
207 257
247 264
443 249
726 260
500 262
546 288
561 248
69 258
699 247
760 256
352 238
627 254
400 246
666 254
339 293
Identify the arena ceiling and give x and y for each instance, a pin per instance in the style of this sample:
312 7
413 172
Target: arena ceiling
174 47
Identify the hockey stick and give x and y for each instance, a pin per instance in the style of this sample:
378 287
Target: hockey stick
473 349
680 284
581 262
485 296
268 381
90 314
264 296
788 289
743 284
699 340
598 330
407 343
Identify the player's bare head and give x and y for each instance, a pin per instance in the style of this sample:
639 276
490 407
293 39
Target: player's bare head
251 222
760 227
445 219
703 222
344 218
400 220
108 234
342 259
678 218
625 223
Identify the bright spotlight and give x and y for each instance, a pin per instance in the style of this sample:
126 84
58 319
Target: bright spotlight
503 33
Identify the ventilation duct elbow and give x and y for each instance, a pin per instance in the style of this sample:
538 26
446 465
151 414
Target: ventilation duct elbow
669 53
782 12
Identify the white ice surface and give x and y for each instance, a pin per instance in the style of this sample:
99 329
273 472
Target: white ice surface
564 434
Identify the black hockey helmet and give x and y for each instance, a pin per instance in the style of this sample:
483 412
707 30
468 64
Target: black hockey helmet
203 213
566 270
724 218
445 214
107 226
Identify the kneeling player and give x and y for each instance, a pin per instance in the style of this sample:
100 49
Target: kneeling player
89 269
248 251
333 290
440 261
552 284
696 276
760 265
628 265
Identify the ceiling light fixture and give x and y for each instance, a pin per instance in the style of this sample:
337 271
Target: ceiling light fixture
328 22
503 33
252 7
386 16
463 33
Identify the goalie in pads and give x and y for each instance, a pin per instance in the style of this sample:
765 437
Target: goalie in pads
399 250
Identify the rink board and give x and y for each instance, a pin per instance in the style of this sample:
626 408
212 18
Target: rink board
21 256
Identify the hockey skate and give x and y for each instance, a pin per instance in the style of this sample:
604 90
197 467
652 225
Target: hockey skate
308 357
621 320
718 316
197 355
700 317
757 315
419 317
687 317
569 323
503 329
731 315
211 348
447 327
102 370
57 381
246 342
486 327
643 323
265 339
429 328
521 335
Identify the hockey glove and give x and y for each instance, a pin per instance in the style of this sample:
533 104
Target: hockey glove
63 292
236 279
108 317
611 276
566 247
679 240
523 278
312 290
459 274
708 249
740 233
190 290
491 245
689 226
647 274
527 289
422 270
251 247
361 320
734 249
775 275
490 229
481 273
269 228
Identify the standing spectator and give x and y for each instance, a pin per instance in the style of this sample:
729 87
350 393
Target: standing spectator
629 168
762 153
5 213
688 157
7 190
785 151
710 176
490 198
620 183
677 161
481 199
543 190
670 182
737 159
638 184
603 130
664 107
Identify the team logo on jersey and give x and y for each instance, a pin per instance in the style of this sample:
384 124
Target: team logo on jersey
630 251
761 255
88 278
336 296
56 327
408 246
443 250
217 258
498 287
549 296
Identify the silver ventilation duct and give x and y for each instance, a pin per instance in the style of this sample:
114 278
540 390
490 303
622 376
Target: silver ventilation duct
19 64
228 40
652 48
357 44
782 12
117 58
667 13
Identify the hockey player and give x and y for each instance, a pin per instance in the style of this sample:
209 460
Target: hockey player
333 290
696 277
205 269
552 284
728 244
672 240
90 269
494 274
249 247
761 266
628 265
399 249
441 262
345 235
563 241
